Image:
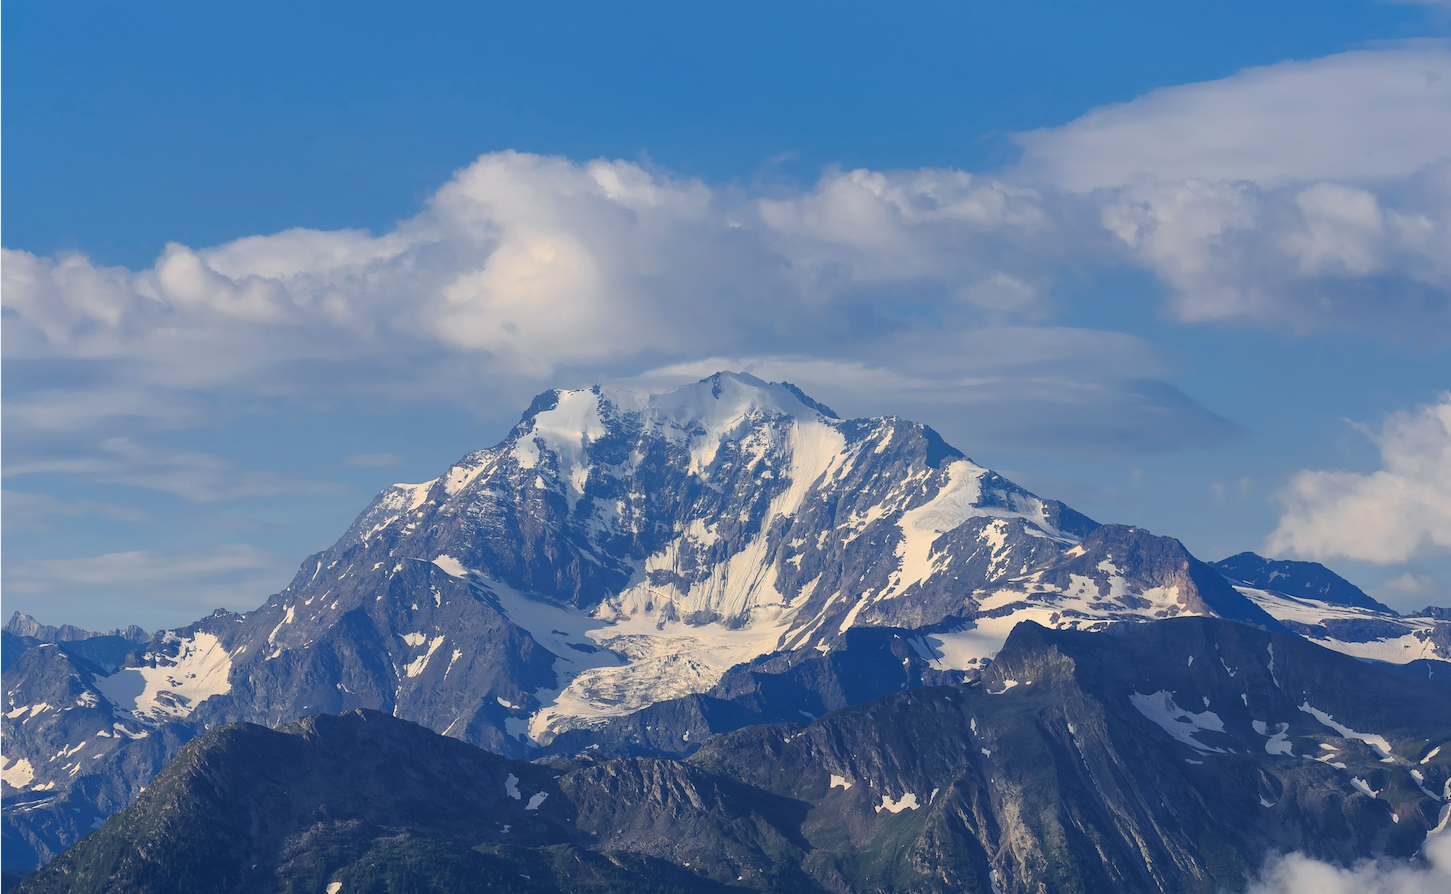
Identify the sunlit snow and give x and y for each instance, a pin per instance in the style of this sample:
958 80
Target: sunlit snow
906 802
174 686
1182 724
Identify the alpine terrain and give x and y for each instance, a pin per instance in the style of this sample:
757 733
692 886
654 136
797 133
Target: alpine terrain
721 637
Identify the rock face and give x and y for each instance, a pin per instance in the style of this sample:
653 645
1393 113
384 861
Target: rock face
617 550
1299 580
107 651
634 572
1325 608
1171 756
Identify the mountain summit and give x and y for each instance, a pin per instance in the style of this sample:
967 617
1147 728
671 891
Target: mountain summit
637 570
630 548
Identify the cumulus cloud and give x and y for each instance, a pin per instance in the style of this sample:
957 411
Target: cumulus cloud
1299 874
1391 515
536 263
527 272
1300 196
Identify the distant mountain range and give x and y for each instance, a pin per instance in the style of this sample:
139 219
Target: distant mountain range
626 576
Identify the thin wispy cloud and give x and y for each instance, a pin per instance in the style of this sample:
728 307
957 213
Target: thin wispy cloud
374 460
151 585
193 476
27 513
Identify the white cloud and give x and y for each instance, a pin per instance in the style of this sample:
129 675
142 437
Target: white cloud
1391 515
1365 115
535 263
1299 874
953 232
526 272
1019 391
1300 196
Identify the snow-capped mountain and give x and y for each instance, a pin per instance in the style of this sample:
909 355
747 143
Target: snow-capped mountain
617 550
1327 609
620 556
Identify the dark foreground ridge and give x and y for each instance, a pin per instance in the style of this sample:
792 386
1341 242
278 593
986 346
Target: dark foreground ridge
1170 756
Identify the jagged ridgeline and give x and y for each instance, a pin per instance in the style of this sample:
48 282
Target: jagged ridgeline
1172 756
634 573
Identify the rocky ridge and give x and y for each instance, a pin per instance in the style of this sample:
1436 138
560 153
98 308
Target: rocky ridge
1168 756
634 572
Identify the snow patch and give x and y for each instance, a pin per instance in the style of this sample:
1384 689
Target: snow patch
841 781
1183 725
906 802
174 686
451 566
954 504
1377 742
417 665
17 775
1279 743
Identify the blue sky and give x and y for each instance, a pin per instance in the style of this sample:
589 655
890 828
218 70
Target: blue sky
1181 265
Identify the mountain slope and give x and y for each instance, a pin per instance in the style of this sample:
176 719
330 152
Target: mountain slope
1301 580
631 571
645 545
1325 608
1071 767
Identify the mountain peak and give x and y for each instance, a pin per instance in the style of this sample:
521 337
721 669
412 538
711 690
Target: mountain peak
23 625
721 399
1298 579
715 402
725 381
